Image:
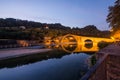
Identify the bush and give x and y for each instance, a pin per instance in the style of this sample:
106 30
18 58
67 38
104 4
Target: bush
103 44
93 59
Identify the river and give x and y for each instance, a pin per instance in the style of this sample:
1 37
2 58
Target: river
54 66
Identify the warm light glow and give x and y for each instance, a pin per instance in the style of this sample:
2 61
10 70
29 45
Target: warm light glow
112 38
111 30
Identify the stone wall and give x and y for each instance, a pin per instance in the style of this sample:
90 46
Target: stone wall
107 66
113 68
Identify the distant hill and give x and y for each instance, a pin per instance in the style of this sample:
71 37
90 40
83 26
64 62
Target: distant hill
11 22
11 28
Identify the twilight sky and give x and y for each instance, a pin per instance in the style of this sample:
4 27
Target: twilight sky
72 13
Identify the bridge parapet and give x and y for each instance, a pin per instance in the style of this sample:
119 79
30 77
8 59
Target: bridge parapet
107 67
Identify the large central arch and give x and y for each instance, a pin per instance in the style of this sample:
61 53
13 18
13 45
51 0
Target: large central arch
69 42
69 38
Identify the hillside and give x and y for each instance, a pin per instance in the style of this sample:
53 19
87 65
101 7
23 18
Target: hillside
11 28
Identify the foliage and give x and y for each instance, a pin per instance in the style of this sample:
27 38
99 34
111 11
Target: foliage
113 17
29 30
93 59
103 44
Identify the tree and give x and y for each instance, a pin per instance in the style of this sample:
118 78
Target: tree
113 17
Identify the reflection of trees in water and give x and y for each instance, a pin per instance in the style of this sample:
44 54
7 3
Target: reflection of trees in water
19 61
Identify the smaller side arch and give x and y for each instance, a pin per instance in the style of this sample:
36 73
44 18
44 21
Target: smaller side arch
88 43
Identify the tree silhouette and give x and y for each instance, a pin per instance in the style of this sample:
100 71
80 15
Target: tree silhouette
113 17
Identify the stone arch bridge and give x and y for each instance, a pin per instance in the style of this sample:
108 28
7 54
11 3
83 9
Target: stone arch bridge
82 41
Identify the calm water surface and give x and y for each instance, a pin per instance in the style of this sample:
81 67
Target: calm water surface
66 67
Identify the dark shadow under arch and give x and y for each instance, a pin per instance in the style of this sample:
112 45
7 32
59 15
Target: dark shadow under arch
88 43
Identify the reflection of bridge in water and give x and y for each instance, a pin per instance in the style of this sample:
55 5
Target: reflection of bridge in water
74 43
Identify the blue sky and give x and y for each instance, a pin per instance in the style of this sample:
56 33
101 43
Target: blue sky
73 13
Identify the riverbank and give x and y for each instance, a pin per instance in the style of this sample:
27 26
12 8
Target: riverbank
18 52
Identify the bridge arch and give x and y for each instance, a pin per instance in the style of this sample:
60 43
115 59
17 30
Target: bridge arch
69 38
88 43
69 41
